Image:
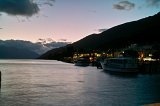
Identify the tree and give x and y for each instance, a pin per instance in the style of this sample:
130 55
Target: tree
131 53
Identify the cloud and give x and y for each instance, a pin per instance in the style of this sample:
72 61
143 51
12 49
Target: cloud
45 2
19 7
48 2
124 5
102 30
45 41
23 7
63 40
153 3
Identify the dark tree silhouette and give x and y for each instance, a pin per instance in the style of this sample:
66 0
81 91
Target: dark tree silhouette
131 53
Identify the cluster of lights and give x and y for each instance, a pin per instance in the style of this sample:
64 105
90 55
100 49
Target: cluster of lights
148 58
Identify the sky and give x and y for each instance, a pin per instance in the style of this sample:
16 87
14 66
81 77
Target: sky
68 20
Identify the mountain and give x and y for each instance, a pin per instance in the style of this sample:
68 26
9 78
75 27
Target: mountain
16 53
26 49
143 31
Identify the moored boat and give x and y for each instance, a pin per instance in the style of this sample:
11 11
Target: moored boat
120 64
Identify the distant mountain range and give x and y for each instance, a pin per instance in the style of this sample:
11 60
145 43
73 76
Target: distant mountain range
143 31
20 49
16 53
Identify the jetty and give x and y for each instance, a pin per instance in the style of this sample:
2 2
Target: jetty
149 67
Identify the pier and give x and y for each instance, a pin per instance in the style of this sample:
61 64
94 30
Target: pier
150 67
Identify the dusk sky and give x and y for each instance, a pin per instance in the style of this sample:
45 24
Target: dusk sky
68 20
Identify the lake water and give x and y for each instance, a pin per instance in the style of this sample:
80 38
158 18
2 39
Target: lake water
54 83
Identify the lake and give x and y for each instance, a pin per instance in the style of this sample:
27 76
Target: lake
55 83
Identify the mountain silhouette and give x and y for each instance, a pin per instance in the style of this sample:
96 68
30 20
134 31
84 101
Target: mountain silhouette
143 31
16 53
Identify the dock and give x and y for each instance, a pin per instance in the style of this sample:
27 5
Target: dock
150 67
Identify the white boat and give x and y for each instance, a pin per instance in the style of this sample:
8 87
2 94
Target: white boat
120 64
82 62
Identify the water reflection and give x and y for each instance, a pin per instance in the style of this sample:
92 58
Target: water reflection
61 84
121 74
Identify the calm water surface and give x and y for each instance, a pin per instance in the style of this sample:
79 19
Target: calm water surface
54 83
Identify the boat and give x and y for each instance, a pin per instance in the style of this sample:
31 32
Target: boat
120 64
82 62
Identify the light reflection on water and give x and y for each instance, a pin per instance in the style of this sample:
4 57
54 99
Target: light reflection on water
54 83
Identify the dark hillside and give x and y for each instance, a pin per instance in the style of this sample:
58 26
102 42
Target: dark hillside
143 31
